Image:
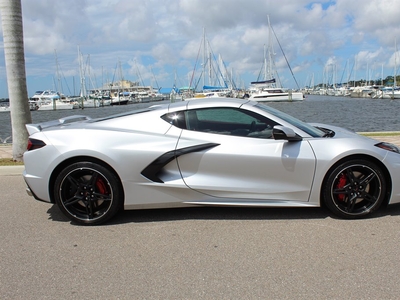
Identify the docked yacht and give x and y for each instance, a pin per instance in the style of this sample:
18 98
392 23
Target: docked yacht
261 92
45 95
54 105
390 93
5 108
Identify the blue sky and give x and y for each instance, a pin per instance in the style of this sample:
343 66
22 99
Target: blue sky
158 42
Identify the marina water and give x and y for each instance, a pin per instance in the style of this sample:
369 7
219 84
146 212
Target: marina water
356 114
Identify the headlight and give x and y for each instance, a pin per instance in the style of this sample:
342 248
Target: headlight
388 147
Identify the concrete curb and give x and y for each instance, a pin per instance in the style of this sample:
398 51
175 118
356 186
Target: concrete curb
11 170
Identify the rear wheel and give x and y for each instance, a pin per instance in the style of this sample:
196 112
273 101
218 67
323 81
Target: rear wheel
354 189
88 193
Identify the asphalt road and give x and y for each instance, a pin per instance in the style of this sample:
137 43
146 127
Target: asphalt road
197 253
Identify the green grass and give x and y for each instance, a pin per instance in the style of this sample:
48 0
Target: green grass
389 133
10 162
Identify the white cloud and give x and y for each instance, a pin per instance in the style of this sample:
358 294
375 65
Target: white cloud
166 35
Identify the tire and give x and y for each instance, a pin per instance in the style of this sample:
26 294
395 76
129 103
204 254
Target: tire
354 189
88 193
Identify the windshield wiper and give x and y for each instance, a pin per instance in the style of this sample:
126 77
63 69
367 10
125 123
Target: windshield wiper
327 132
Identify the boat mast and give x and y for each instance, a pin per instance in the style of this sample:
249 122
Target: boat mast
395 64
57 73
204 56
270 50
265 63
355 70
82 75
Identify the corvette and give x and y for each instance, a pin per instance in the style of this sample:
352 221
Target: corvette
214 151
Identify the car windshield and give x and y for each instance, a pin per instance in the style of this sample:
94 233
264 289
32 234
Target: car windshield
311 130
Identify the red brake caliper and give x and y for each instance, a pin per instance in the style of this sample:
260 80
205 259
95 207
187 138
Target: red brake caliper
101 186
341 183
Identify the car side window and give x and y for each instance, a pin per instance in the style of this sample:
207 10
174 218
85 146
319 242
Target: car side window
229 121
177 119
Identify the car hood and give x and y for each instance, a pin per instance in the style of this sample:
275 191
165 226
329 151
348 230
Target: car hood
340 132
349 142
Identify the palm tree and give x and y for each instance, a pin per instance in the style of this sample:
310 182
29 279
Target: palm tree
11 19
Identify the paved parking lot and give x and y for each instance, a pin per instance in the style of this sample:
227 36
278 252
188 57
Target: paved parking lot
198 253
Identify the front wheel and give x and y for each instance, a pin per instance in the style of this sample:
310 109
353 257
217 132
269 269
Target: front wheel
88 193
354 189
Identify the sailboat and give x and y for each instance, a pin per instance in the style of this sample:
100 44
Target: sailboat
84 100
216 80
267 89
392 92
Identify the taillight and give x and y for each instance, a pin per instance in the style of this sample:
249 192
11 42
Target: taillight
35 144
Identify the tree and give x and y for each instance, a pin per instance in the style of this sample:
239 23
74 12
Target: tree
11 19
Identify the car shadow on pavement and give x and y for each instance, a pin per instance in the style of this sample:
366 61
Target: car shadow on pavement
235 213
203 213
55 214
221 213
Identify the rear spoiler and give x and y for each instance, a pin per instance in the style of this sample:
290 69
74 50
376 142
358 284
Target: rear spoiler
33 128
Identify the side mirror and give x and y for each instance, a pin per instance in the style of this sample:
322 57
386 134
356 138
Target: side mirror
285 133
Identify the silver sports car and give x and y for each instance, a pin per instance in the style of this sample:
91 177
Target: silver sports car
221 151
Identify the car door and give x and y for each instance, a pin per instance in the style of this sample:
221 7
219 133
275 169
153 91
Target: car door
244 163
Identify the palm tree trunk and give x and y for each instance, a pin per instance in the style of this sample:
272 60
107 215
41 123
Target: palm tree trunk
11 17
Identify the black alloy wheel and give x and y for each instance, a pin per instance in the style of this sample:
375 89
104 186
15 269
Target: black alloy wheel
88 193
354 189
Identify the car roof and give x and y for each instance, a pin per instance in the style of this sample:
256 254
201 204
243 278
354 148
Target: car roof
194 103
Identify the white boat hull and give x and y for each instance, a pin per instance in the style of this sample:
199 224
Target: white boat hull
56 105
266 96
4 108
391 95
